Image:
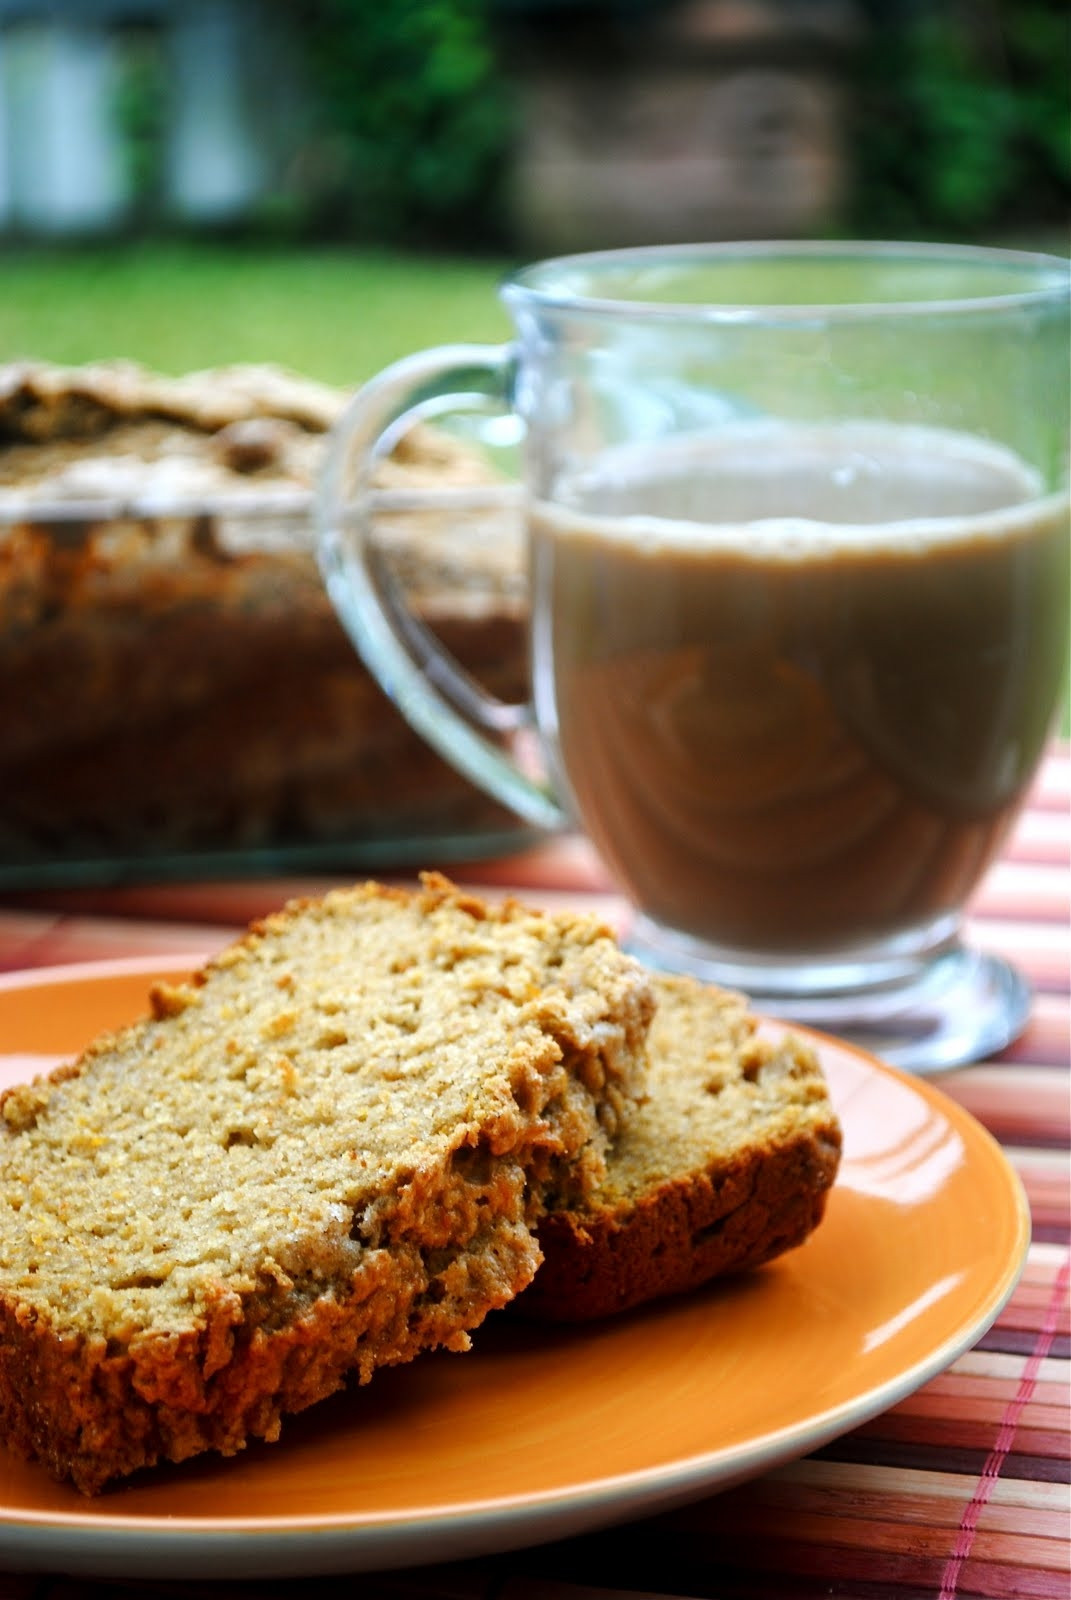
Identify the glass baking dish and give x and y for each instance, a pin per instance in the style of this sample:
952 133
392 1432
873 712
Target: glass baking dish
177 697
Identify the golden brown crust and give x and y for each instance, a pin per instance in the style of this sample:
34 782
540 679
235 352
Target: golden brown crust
323 1153
92 1413
40 402
728 1165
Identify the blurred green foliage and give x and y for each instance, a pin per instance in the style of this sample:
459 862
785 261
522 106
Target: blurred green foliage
411 120
961 123
963 118
141 113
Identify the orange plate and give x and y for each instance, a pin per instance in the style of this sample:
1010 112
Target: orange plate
541 1433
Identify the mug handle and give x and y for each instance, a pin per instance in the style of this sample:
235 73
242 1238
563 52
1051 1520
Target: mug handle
451 711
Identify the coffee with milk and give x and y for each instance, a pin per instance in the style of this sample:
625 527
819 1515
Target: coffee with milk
796 677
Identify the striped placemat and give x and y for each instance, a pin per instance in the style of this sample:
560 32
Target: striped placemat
960 1491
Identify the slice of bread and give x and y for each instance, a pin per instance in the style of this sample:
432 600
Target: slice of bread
727 1165
323 1154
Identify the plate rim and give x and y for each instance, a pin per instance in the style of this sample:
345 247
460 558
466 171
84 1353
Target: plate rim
495 1523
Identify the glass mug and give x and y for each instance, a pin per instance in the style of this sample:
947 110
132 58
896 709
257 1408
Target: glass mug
797 522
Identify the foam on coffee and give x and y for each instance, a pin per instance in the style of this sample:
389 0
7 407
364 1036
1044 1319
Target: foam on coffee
800 491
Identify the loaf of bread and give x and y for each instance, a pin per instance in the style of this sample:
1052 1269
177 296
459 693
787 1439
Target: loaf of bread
159 592
727 1164
323 1154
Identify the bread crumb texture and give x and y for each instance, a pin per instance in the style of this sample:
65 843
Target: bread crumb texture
727 1164
323 1154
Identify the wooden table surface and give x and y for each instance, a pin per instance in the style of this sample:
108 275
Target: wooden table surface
959 1491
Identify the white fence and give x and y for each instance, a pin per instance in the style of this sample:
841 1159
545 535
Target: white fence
64 164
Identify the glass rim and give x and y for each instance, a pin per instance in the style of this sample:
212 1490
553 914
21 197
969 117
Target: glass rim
541 283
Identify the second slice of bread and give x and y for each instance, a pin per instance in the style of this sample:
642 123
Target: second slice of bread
727 1164
324 1154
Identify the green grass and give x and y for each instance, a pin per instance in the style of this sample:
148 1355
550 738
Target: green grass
335 315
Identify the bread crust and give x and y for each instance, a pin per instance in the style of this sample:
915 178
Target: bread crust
728 1165
323 1154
